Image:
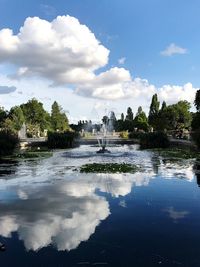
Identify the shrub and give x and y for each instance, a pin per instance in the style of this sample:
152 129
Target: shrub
154 140
136 135
60 140
124 134
8 142
196 138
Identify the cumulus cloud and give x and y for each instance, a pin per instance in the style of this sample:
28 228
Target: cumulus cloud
55 217
63 50
173 49
66 52
7 89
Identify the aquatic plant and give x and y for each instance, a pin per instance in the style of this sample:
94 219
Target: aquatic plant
109 168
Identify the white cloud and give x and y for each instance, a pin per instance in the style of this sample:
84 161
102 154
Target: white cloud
175 214
63 51
121 60
67 54
173 49
174 93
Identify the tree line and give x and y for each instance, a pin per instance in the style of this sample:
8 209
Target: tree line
35 117
161 117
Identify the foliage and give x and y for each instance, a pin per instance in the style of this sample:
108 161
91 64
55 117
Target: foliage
153 111
59 120
141 121
129 116
124 134
177 153
174 117
35 114
8 142
197 100
14 120
61 140
154 140
196 137
136 135
108 168
33 154
3 116
196 121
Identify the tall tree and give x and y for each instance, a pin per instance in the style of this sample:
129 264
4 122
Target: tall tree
129 116
141 121
59 120
197 100
122 116
153 112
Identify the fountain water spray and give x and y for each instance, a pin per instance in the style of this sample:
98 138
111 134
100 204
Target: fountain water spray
103 137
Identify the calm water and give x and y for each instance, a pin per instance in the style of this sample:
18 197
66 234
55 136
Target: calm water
51 215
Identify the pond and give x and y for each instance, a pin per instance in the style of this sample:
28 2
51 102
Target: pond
53 215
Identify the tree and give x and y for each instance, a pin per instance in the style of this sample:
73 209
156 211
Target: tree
59 120
122 116
176 116
197 100
153 112
141 121
129 115
3 116
35 114
16 118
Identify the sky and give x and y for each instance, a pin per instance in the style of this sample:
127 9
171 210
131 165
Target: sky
93 56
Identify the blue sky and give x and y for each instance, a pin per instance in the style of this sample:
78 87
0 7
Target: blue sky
137 30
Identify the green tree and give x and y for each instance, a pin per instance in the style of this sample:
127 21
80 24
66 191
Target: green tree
35 114
197 100
154 111
59 120
3 116
129 116
122 116
141 121
16 118
177 116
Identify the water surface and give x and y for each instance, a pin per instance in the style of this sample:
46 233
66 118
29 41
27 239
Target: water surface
51 215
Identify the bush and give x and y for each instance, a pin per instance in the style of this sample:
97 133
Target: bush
124 134
60 140
8 142
154 140
136 135
196 138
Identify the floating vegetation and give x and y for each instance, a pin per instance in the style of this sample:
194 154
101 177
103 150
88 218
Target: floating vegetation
29 155
109 168
32 155
177 153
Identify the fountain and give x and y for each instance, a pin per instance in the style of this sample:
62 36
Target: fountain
103 139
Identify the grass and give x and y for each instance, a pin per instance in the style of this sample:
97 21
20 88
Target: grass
108 168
